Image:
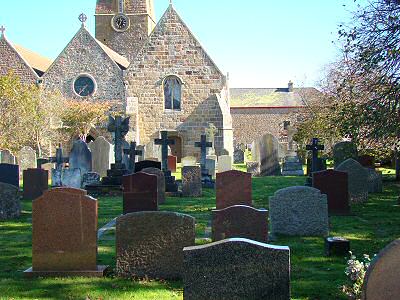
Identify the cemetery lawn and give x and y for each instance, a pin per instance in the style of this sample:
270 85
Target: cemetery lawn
313 276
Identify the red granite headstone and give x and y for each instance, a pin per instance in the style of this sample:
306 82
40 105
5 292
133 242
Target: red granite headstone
172 160
367 161
240 221
36 181
64 234
335 185
140 193
233 188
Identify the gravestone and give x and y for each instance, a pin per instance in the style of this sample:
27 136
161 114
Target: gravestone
358 180
253 168
71 178
10 206
132 152
211 132
64 234
233 188
335 185
170 183
320 165
343 151
102 155
299 211
224 163
240 221
375 181
367 161
236 269
6 157
265 152
9 173
172 161
35 182
144 164
238 155
160 182
26 159
315 166
80 157
191 182
206 179
90 178
188 161
292 166
140 193
382 278
150 244
211 165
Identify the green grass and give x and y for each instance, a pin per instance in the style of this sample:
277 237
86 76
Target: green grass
314 276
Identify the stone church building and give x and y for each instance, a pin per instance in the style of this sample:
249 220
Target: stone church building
155 72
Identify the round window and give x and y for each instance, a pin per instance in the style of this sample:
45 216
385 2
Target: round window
84 86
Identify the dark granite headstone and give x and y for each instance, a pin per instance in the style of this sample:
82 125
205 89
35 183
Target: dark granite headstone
335 185
150 244
90 178
170 183
35 182
144 164
240 221
206 178
191 182
160 181
10 206
140 193
80 157
337 246
233 188
236 269
343 151
9 174
367 161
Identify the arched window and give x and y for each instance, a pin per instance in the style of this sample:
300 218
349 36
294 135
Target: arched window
172 92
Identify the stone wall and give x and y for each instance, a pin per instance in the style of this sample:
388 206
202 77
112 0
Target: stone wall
172 49
251 123
83 55
10 60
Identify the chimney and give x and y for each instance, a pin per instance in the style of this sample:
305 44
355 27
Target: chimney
290 86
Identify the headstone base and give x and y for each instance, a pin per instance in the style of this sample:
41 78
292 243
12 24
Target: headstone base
337 246
170 184
114 175
29 273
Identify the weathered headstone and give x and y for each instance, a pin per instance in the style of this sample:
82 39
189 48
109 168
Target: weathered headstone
211 165
238 155
188 161
10 206
236 269
160 182
253 168
240 221
299 210
102 155
9 173
343 151
80 157
144 164
292 166
6 157
224 163
335 185
382 278
211 132
26 159
358 180
90 178
140 193
71 178
64 234
374 179
191 181
172 161
35 182
150 244
233 188
265 151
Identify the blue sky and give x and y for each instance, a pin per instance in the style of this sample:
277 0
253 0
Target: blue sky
261 43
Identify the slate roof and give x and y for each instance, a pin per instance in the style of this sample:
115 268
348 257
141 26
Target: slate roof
270 97
36 61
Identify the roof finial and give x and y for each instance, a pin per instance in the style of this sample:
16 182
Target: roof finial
83 19
2 30
170 2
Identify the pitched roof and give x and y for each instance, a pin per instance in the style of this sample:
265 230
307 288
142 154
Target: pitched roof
119 59
271 97
38 62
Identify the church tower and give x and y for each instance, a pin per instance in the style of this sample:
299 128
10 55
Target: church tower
124 25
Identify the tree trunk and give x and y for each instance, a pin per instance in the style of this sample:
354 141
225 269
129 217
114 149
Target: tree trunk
397 159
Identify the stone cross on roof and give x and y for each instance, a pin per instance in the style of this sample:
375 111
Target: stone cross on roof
2 30
83 18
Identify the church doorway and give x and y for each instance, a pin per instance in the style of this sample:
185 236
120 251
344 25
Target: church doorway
176 150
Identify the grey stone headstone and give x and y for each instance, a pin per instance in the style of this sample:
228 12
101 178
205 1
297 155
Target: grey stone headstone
191 182
375 184
160 182
26 159
238 156
236 269
188 161
6 157
80 157
224 163
71 178
10 206
56 177
90 178
292 167
299 211
265 151
358 180
253 168
343 151
102 155
211 165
